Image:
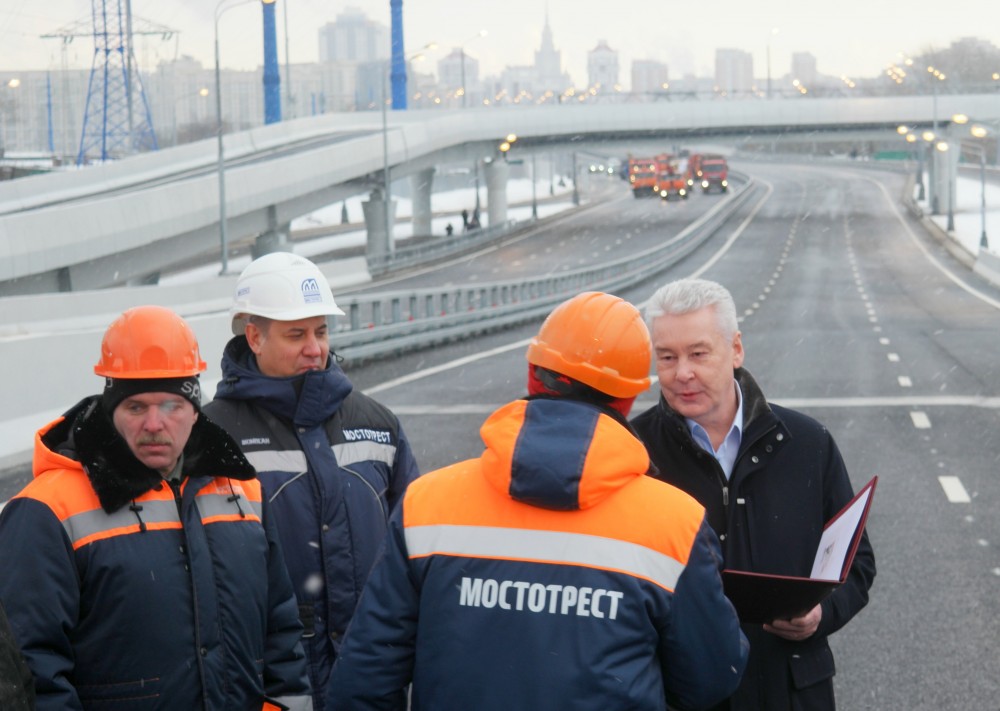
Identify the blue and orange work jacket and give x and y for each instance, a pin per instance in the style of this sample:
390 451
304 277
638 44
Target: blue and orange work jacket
550 573
128 593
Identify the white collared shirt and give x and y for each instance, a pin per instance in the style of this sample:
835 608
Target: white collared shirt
726 454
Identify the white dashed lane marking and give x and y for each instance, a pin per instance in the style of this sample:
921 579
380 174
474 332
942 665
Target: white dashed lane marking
954 490
920 420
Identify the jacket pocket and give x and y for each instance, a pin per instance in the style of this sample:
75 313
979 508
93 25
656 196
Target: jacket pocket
811 666
121 695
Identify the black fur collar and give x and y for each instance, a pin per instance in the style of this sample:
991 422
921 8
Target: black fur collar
115 473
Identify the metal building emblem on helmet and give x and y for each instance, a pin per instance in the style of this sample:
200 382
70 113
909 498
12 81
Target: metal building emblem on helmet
311 293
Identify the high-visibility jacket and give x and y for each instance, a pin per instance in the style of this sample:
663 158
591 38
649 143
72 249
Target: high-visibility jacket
550 573
128 593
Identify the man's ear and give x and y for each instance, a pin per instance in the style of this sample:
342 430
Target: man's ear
738 353
255 337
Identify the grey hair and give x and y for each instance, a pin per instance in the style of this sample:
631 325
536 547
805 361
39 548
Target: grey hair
262 323
686 295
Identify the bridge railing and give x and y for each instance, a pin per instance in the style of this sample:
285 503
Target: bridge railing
381 324
412 255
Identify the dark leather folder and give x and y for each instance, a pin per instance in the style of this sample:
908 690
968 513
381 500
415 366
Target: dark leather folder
760 597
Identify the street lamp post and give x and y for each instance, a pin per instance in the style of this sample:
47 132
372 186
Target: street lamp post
576 191
937 76
945 148
983 241
220 9
534 198
476 167
386 189
774 31
461 49
913 139
981 132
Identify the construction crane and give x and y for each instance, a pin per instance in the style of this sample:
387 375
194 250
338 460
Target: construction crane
111 128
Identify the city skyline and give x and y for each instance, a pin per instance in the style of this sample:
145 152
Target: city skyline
858 40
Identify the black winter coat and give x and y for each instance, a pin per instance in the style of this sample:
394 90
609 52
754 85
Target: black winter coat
17 688
788 480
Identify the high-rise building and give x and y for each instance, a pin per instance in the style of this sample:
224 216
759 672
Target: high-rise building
548 64
353 37
602 68
649 77
804 69
734 72
541 82
458 70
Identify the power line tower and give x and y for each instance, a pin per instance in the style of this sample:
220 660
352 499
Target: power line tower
111 128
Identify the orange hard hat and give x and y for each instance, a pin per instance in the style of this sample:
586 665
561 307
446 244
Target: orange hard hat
599 340
149 342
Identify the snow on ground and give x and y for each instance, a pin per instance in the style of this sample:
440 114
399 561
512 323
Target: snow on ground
451 201
969 213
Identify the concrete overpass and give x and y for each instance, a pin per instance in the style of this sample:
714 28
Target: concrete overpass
125 222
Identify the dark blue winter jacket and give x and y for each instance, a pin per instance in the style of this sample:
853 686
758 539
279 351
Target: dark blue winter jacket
333 463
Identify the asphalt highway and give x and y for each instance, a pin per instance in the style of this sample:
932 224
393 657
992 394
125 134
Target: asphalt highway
850 313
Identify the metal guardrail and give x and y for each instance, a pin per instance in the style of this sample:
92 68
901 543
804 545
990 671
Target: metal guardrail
381 324
412 255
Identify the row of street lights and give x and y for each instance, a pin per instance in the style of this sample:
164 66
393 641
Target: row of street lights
943 146
978 132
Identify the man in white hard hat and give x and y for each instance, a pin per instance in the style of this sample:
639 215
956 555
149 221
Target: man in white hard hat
332 461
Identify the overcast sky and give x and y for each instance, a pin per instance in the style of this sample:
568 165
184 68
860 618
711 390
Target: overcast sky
857 38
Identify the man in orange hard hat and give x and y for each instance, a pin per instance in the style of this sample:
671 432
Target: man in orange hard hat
141 567
551 572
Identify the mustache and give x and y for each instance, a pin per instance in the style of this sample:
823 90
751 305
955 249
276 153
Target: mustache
154 440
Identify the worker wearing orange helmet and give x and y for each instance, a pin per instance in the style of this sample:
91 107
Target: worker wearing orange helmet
141 567
550 572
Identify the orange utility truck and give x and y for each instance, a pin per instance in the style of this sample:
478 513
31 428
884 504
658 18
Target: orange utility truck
714 173
642 176
670 177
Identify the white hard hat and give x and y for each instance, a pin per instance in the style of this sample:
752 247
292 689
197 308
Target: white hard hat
284 287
